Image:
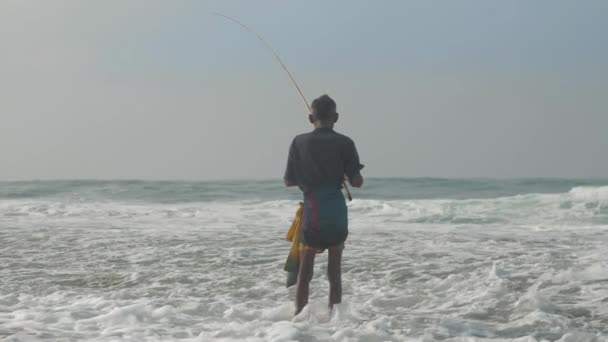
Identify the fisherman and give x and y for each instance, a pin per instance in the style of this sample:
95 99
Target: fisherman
318 163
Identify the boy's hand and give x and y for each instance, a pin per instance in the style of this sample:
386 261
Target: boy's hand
355 181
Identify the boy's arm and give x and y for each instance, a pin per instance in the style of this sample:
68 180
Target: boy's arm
290 170
352 166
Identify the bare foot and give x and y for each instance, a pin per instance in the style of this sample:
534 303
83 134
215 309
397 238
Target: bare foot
298 310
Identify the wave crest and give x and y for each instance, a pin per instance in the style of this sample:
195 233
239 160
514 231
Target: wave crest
581 206
593 193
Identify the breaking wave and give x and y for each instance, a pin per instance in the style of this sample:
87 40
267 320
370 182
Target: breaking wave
579 206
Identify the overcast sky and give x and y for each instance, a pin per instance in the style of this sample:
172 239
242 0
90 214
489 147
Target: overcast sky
163 90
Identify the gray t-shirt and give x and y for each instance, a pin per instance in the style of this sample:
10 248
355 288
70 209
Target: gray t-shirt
320 159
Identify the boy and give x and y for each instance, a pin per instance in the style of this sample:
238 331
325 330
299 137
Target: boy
318 163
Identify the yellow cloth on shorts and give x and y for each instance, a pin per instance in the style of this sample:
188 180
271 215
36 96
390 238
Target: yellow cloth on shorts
293 259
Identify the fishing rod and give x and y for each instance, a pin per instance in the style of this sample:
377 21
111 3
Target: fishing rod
278 59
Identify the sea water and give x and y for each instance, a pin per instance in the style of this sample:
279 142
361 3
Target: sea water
426 260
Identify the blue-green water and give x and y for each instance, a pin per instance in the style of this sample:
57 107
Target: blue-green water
375 188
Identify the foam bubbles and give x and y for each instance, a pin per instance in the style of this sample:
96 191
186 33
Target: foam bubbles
414 270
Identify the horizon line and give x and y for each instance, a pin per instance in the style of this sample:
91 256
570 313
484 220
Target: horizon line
279 180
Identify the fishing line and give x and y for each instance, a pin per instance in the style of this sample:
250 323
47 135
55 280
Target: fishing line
278 59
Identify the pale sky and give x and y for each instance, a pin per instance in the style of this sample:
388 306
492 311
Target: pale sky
164 90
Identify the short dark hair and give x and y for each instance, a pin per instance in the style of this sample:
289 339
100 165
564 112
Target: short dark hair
323 107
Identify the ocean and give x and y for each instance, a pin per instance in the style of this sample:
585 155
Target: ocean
427 259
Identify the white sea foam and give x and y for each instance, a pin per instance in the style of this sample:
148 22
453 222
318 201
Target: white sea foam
579 207
521 268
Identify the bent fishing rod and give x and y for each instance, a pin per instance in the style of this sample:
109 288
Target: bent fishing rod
278 59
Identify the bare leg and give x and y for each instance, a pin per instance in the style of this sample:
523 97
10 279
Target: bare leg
307 261
334 275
